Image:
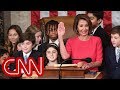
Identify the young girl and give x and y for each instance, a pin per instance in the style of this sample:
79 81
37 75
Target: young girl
14 35
52 55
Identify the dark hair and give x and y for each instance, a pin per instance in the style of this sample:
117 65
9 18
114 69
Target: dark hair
115 30
3 51
77 19
98 14
59 60
28 36
50 23
8 45
17 29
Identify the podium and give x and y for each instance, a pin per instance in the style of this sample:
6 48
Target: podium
65 73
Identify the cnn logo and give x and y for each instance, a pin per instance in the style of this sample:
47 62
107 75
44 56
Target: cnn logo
27 68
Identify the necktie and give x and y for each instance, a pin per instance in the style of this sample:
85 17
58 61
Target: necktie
25 59
118 54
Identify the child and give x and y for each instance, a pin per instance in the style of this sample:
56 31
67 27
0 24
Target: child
14 35
27 49
4 54
112 60
52 55
38 35
52 35
96 18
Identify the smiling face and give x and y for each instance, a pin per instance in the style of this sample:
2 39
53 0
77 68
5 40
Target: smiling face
51 54
83 27
13 36
26 46
115 39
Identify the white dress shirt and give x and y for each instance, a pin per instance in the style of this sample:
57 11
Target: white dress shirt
117 52
56 42
95 30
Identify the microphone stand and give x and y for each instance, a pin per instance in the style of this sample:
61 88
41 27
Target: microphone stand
60 76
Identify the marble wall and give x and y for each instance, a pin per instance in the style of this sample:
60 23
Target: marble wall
21 18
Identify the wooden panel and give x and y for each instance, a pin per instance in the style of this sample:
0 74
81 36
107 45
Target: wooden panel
68 21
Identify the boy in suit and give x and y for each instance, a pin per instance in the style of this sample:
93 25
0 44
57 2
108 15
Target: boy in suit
112 54
27 45
96 18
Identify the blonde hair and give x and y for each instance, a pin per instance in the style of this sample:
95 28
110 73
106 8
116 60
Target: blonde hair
33 29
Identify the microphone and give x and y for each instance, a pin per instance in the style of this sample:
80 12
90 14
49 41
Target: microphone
88 60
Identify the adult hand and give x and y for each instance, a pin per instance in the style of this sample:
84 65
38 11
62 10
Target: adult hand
61 29
86 66
80 64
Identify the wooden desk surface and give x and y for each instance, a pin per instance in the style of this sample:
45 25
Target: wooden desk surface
66 73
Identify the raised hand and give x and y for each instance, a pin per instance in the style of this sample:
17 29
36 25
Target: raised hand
61 29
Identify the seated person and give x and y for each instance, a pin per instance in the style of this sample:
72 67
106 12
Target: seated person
52 55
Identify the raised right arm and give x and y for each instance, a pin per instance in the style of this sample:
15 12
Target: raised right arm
61 32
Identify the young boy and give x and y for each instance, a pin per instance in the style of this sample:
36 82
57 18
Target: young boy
51 34
96 18
112 54
27 51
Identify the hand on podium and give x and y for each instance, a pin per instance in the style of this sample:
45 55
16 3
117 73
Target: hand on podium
84 65
80 64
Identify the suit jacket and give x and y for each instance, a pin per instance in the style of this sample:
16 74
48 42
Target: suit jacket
34 54
105 38
112 68
100 32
